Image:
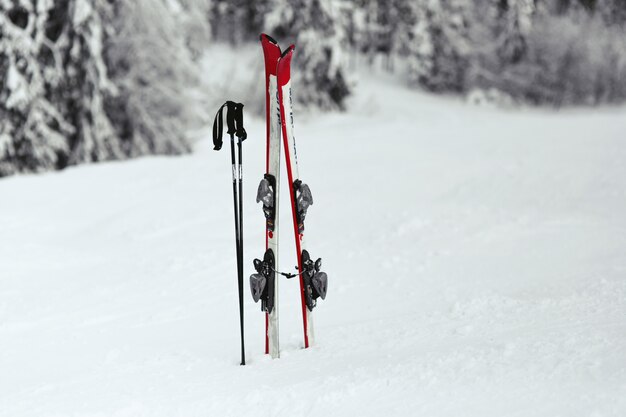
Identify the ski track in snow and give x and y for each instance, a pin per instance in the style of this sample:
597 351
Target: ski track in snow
476 259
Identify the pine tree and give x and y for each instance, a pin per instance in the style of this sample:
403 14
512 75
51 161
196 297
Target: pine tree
317 28
93 80
237 21
420 47
50 97
403 18
152 67
440 37
512 23
612 11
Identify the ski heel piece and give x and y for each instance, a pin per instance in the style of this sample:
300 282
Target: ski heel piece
262 283
315 281
257 285
304 199
267 195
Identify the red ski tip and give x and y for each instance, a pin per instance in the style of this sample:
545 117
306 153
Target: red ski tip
291 48
271 51
284 66
264 36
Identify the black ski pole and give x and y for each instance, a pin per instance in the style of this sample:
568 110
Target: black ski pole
241 134
234 123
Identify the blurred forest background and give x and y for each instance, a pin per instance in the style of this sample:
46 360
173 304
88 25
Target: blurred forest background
96 80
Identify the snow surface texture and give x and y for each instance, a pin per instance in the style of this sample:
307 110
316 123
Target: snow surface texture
476 261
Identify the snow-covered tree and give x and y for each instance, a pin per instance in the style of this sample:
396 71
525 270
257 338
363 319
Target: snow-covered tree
421 50
403 17
238 21
498 41
150 59
513 21
54 78
440 36
571 57
95 80
317 28
612 11
92 80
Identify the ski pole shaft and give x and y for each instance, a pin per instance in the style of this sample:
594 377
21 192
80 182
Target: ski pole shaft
237 205
240 263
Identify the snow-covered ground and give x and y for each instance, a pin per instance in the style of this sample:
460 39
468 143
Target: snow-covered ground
476 258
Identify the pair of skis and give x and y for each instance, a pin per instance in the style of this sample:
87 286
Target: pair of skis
264 284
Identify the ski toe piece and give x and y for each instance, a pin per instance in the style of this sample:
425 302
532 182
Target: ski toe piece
320 284
262 283
257 286
303 200
265 193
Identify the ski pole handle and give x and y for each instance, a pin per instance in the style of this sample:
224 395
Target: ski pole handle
232 114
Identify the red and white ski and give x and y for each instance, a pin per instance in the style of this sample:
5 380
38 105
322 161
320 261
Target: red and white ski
269 193
313 282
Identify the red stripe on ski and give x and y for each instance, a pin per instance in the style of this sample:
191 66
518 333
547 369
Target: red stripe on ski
267 335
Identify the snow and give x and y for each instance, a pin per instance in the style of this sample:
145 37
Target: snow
475 257
82 11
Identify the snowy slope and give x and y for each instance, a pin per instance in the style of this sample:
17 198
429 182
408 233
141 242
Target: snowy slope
477 266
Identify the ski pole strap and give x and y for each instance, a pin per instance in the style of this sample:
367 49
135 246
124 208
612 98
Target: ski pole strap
218 123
